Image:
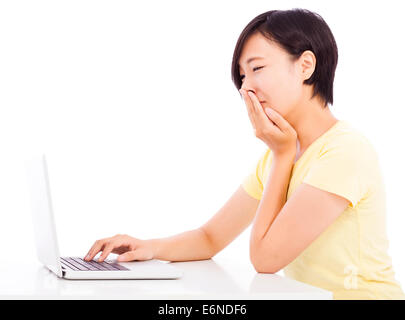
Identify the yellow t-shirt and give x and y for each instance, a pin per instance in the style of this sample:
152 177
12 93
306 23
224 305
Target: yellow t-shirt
350 258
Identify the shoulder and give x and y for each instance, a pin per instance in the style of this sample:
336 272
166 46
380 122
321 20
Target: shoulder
345 164
348 140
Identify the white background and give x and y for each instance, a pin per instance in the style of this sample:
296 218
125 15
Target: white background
143 129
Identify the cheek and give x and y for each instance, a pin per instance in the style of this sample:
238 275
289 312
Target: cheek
283 92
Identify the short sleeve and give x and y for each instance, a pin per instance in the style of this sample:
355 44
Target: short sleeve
341 168
253 182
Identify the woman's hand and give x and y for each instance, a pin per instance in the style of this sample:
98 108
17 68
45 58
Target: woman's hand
127 247
270 127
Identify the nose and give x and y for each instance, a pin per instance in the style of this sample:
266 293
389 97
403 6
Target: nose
246 90
247 87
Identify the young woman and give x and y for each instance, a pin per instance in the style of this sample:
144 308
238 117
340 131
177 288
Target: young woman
316 196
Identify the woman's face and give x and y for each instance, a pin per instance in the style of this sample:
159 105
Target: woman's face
275 79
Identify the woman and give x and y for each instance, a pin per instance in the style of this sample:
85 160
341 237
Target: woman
316 196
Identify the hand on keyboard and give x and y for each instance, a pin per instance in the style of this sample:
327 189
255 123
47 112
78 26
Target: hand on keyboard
78 264
127 247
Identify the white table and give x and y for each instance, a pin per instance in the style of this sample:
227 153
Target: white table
217 278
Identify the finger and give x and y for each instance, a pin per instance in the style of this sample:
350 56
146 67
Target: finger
249 107
261 117
278 119
127 256
248 103
139 254
256 105
97 246
107 250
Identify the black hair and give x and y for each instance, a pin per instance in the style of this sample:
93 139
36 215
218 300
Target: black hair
296 31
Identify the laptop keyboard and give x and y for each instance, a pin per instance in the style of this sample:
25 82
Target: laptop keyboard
78 264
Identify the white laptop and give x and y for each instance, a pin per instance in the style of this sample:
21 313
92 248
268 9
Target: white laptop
75 267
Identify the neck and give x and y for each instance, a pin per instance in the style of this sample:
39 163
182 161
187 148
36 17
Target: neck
310 122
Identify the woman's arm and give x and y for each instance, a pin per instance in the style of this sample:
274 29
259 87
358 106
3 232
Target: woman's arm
198 244
283 229
274 198
221 229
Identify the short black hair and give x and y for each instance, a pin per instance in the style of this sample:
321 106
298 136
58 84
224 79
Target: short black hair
296 31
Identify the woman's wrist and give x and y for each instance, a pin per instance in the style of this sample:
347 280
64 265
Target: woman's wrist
285 157
154 246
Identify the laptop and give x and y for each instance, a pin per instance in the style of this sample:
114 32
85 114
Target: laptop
76 267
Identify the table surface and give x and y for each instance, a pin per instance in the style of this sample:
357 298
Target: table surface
216 278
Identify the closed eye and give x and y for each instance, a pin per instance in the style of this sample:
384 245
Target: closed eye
254 69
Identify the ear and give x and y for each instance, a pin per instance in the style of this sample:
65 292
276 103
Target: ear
307 64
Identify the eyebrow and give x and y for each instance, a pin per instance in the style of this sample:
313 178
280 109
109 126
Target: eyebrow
251 59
